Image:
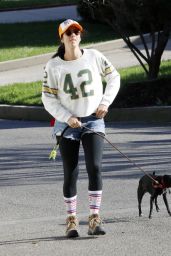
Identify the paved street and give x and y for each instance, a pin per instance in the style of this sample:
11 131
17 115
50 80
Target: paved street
43 14
32 211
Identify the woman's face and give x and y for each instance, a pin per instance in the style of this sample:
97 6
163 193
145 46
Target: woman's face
72 37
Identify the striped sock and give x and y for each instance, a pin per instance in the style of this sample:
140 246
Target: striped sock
71 205
95 201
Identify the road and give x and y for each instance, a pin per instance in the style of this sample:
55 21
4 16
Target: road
32 214
43 14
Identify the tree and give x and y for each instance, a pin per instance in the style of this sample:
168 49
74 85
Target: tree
124 16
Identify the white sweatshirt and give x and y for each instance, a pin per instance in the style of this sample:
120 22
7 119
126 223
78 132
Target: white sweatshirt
75 88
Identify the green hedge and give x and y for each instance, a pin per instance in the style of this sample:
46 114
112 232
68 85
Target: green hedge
143 94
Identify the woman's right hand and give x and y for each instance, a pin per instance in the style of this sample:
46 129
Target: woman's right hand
74 122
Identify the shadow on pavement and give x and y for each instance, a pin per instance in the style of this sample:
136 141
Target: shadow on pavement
31 165
13 124
43 239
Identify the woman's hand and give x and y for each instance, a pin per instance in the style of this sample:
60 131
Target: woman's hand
74 122
101 111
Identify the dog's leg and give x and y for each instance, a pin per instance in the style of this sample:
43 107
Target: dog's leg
166 203
151 206
140 194
156 204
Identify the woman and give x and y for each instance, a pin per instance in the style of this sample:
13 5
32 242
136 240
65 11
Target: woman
73 94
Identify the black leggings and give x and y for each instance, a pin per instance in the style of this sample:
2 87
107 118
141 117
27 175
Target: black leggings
93 150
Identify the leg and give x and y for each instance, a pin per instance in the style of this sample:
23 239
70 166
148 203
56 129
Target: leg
140 194
166 203
156 204
151 205
93 149
69 152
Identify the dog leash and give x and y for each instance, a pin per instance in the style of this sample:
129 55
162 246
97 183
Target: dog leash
116 148
54 151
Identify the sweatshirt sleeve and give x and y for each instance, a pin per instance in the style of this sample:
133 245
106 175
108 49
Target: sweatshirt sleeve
112 78
50 98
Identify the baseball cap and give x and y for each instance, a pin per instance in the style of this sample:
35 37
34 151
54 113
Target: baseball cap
66 24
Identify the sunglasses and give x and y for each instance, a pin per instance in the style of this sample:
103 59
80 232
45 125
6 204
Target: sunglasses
70 32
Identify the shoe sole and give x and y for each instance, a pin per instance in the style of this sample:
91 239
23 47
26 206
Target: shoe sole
98 231
72 234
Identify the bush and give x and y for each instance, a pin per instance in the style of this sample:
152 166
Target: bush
143 94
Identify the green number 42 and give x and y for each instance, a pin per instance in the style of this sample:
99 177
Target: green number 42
69 86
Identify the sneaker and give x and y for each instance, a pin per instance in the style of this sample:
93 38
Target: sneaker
95 225
72 225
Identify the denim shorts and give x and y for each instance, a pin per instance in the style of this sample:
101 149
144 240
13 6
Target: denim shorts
91 122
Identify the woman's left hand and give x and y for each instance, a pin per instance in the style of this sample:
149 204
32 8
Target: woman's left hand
101 111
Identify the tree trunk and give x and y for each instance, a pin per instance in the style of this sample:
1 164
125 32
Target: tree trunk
154 65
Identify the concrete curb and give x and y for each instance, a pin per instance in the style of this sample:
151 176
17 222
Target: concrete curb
140 114
143 114
30 113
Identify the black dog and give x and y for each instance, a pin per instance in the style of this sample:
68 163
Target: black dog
148 185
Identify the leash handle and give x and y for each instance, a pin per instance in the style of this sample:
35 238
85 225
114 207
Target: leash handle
132 162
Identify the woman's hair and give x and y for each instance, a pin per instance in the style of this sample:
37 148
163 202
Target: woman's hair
60 51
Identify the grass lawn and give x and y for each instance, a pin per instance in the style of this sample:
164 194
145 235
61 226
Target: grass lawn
29 39
21 94
30 93
6 4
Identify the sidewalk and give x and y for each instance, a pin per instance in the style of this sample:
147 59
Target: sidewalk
31 69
